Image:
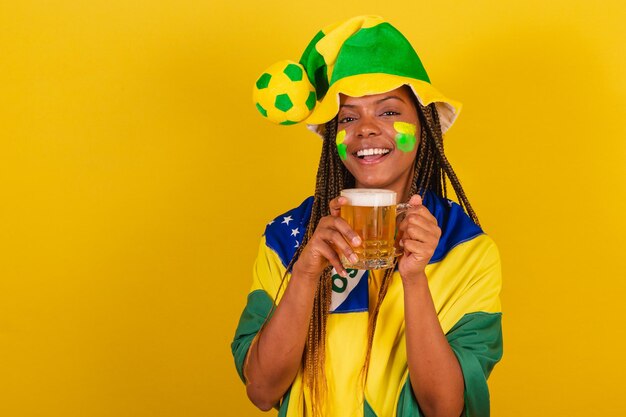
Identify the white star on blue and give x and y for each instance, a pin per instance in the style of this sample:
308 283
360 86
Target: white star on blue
286 220
295 232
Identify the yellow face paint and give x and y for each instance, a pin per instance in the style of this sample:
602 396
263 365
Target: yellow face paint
341 147
405 139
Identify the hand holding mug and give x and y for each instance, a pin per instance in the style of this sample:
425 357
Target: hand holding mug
419 235
329 241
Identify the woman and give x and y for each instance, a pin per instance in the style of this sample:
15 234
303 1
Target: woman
417 339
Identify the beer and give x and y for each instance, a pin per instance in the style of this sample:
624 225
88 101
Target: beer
371 213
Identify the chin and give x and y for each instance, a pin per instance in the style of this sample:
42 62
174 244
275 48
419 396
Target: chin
373 184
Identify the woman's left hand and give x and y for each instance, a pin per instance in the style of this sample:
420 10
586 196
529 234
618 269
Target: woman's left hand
418 237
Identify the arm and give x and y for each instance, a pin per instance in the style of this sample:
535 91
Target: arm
275 356
435 373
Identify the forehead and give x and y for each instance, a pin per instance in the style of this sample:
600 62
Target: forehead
402 94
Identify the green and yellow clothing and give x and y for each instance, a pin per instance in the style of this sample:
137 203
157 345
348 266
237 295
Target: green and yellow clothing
464 279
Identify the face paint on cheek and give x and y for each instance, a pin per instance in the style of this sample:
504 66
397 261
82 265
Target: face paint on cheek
341 147
405 139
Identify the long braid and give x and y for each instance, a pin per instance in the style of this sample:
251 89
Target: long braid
373 319
332 177
433 125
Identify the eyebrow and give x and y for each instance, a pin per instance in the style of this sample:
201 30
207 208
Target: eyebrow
376 102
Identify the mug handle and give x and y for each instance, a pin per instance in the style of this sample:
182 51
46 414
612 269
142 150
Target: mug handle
400 211
402 208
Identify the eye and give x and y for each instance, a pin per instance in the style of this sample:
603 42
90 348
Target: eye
390 113
346 119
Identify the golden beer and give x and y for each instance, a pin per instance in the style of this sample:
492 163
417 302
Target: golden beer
371 213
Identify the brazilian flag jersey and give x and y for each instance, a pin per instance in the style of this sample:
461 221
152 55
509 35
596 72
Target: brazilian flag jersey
464 279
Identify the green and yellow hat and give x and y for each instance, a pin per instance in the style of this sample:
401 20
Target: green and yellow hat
361 56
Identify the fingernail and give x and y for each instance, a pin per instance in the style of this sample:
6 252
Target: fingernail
356 240
353 258
344 273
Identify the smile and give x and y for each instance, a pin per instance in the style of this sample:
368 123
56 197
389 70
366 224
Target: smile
371 152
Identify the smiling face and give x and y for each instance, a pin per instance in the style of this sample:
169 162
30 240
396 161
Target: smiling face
377 134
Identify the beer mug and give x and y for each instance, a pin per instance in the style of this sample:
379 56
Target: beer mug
372 213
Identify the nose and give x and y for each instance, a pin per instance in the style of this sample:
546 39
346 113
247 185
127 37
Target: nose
367 127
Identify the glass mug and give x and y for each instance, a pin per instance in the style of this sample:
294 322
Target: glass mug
372 213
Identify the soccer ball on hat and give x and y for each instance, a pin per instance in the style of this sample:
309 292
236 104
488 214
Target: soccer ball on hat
283 93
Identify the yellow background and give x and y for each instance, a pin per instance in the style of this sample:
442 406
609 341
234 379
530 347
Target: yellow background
136 178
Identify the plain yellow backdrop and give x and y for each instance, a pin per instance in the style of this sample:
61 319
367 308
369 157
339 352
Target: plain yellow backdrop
136 178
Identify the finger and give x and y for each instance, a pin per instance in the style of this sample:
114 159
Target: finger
401 227
422 211
335 205
421 235
417 220
420 228
404 223
337 233
338 242
424 223
344 228
332 257
416 200
418 250
413 247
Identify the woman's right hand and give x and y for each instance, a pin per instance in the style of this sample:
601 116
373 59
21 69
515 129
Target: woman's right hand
329 241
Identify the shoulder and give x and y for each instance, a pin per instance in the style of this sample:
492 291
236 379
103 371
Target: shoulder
464 274
284 233
456 226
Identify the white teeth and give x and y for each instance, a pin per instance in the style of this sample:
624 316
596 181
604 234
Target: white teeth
372 151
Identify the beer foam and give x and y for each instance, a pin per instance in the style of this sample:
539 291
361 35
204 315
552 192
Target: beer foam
369 197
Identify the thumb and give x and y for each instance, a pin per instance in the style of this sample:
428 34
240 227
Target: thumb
335 205
416 200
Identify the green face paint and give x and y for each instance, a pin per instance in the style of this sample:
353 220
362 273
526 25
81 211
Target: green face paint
341 147
342 150
405 139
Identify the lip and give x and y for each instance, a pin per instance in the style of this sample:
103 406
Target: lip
372 159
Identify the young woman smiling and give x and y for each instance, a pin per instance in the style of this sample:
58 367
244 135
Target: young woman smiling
417 339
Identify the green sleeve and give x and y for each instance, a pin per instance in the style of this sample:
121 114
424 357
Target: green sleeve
257 309
477 343
476 340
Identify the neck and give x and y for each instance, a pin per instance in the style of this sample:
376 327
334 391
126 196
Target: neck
402 186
